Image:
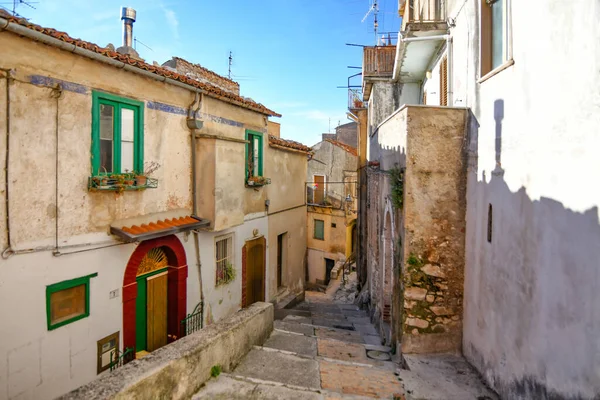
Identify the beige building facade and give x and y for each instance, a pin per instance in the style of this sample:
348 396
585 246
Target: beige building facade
131 212
332 207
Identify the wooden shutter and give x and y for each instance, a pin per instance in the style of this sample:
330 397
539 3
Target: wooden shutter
444 82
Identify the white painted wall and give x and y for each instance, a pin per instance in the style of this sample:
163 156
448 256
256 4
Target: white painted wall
221 301
42 364
531 317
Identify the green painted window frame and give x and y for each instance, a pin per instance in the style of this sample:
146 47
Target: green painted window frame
249 137
64 285
315 230
118 103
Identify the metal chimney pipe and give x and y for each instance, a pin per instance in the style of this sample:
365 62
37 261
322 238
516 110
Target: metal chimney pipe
128 17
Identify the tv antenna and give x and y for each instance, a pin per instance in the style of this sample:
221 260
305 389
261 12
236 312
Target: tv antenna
136 41
16 3
375 10
230 62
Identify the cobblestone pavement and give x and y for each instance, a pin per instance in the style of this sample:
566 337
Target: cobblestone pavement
318 350
324 348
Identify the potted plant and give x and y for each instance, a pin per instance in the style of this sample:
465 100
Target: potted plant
141 178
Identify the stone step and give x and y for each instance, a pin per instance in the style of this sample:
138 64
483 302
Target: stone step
280 367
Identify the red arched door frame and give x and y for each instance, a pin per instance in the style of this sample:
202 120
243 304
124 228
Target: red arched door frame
176 291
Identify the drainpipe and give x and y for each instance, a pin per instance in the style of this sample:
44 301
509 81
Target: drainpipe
450 50
56 93
396 73
8 251
193 124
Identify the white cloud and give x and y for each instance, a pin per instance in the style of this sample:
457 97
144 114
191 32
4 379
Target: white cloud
172 21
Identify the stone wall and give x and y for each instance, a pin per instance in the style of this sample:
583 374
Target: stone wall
202 74
347 134
434 223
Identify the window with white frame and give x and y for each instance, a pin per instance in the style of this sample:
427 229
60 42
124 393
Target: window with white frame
496 47
225 270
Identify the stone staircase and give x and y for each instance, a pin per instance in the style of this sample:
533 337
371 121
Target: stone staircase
318 350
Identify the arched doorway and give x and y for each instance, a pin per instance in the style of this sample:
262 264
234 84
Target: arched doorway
154 294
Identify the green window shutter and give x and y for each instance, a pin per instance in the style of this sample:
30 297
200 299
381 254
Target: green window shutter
319 229
255 144
117 134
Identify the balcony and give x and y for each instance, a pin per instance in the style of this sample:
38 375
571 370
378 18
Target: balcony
378 65
422 35
423 15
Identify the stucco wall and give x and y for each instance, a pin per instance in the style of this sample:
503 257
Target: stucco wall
347 133
338 166
287 171
334 245
293 224
35 362
533 130
43 364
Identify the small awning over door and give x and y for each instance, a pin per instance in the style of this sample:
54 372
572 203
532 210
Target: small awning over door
158 228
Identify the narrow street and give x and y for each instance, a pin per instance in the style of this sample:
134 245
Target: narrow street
325 349
318 350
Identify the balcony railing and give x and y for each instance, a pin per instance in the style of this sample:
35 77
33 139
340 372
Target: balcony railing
432 11
355 99
378 61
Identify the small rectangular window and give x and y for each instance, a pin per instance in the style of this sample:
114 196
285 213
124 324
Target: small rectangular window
495 34
319 230
117 134
224 260
68 301
333 225
254 154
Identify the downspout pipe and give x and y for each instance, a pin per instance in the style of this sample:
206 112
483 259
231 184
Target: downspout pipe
396 73
71 48
193 124
6 253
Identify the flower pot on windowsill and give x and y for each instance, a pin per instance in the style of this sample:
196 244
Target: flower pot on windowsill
258 181
141 180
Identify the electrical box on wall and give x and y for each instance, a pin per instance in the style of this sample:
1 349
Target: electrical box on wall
107 347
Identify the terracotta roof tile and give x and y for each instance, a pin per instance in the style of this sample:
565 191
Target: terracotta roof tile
349 149
211 90
278 142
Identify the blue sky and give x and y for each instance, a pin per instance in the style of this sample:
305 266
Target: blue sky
287 54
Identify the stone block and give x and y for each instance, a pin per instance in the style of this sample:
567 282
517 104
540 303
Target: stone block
433 270
415 293
418 322
440 310
430 298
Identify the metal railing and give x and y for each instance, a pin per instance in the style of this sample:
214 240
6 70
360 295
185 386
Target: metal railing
355 98
424 11
336 195
192 322
378 61
118 359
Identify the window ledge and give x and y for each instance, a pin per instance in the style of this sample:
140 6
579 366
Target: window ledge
496 71
258 181
108 184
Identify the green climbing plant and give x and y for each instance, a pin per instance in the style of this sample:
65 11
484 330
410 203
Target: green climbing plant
397 181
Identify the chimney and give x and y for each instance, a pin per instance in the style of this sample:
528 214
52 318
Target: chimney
128 17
